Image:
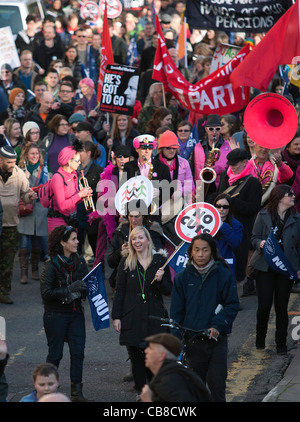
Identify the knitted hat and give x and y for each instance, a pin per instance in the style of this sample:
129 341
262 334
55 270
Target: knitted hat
87 81
75 118
170 342
13 93
168 139
28 126
8 152
7 66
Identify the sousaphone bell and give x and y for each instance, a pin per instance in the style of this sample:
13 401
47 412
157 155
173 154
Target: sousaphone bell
270 120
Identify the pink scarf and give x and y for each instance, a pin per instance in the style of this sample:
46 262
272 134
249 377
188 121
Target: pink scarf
234 177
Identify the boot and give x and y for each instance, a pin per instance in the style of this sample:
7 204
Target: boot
35 259
249 287
23 259
76 393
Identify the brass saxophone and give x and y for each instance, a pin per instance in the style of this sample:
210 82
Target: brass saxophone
208 175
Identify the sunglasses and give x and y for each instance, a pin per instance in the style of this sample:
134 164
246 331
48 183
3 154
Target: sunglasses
183 130
67 229
225 207
170 148
147 146
211 129
122 156
290 193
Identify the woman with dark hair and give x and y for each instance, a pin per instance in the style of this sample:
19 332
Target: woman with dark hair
230 234
122 133
204 296
279 216
57 139
161 117
65 190
137 297
62 291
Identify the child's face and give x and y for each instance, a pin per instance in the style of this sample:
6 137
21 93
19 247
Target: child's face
46 385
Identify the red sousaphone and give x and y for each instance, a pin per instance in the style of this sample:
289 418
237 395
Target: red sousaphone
270 120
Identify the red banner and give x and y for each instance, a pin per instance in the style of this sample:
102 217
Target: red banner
211 95
106 51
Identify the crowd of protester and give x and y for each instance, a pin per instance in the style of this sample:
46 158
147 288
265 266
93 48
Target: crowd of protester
51 128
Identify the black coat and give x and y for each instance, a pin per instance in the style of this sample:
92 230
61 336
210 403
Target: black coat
54 286
130 308
245 207
175 383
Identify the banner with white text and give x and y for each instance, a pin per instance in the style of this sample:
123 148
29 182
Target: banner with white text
211 95
235 15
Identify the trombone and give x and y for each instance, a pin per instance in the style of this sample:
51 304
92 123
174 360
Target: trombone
88 202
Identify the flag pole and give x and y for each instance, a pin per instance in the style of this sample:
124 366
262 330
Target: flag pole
185 49
170 257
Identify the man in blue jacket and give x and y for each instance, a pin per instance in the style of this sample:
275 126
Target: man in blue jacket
204 296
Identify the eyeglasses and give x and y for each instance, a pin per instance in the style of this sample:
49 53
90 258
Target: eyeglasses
290 193
147 146
211 129
76 161
183 130
34 133
225 207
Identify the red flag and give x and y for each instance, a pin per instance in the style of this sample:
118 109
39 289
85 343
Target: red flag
211 95
106 53
278 47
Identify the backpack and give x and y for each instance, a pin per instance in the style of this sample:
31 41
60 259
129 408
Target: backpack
45 195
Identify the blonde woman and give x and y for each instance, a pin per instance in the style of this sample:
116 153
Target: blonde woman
137 298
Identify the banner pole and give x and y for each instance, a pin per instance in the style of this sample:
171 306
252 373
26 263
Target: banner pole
170 257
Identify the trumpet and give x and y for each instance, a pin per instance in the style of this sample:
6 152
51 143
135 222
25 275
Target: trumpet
88 202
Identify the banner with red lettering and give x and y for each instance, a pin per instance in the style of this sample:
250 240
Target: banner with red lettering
211 95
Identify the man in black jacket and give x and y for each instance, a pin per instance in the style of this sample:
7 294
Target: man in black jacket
172 382
246 192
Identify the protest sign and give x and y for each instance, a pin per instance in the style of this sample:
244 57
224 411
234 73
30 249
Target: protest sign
119 89
114 8
233 15
222 55
8 51
200 217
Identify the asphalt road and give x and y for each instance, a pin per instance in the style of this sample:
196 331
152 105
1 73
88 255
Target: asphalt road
251 376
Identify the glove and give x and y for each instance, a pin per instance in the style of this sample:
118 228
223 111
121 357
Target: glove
77 286
71 297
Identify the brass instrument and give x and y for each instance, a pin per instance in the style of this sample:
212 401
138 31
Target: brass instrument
208 175
88 202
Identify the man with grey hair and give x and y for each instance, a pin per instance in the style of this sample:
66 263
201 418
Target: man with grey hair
171 381
13 186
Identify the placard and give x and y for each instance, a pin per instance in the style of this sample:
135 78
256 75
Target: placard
200 217
139 187
8 50
119 91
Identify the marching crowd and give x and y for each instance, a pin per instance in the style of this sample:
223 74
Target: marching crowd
62 160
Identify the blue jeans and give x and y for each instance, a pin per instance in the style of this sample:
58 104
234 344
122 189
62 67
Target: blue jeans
69 327
29 241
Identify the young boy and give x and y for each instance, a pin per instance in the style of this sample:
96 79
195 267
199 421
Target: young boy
45 380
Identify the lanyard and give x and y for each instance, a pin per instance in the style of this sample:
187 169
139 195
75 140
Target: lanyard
142 284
